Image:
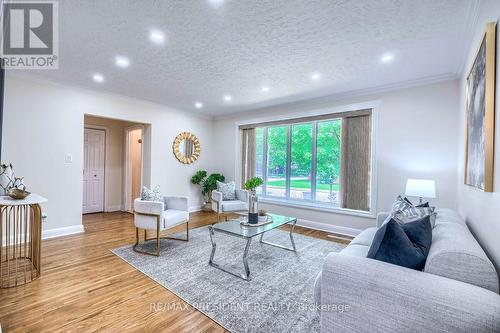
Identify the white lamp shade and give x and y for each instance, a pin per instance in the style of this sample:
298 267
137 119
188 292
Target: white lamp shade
420 188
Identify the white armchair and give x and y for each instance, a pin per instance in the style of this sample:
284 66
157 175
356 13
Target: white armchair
160 216
222 207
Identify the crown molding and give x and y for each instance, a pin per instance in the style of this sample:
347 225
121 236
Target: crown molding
465 37
317 101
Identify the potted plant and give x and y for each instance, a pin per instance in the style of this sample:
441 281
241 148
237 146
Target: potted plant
251 185
207 185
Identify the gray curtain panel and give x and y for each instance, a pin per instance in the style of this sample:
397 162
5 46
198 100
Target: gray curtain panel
356 159
247 154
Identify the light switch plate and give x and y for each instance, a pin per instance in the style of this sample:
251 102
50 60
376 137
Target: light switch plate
68 159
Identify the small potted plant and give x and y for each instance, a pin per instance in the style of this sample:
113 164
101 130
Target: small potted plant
251 185
207 184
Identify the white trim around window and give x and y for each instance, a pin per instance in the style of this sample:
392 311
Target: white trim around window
373 105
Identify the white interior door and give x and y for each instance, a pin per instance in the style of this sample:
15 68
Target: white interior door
93 172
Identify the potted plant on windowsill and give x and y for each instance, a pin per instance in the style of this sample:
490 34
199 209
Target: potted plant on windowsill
207 185
253 212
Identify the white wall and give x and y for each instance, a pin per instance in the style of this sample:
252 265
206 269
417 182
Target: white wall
481 210
44 121
416 138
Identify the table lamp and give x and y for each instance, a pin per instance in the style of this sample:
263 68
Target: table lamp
421 188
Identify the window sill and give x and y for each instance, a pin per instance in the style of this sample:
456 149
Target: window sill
315 207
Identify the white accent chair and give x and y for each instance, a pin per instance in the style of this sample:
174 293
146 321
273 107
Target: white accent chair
159 216
223 207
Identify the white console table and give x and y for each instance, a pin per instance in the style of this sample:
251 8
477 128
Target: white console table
21 237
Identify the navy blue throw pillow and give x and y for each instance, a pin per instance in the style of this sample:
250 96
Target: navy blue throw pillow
404 245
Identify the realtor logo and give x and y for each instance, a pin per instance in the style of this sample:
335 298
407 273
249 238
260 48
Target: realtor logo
29 35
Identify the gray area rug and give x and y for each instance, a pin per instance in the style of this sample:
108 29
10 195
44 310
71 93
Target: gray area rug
279 298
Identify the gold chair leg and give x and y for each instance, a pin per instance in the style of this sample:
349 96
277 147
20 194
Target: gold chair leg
158 238
180 239
157 253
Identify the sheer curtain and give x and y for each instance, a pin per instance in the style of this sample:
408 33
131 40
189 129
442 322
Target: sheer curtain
355 165
247 154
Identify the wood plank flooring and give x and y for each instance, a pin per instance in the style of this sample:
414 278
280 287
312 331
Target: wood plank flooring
86 288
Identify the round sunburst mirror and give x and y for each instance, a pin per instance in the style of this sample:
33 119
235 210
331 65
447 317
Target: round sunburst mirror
186 147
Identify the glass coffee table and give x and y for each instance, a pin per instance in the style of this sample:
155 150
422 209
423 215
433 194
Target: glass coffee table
234 228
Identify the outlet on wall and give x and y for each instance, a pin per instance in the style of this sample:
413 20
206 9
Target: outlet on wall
68 159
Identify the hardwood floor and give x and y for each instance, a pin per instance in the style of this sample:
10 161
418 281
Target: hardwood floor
86 288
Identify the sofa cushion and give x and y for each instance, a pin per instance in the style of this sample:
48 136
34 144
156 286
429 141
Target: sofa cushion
455 254
356 250
233 205
365 237
405 245
172 217
446 215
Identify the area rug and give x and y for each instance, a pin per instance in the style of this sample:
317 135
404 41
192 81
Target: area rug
279 298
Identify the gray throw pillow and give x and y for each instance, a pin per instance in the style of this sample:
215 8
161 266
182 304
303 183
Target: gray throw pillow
151 195
228 190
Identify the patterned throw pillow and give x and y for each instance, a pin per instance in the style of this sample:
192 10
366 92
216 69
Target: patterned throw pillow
228 190
403 211
151 195
400 204
404 217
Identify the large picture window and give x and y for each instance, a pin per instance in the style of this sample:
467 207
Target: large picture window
317 161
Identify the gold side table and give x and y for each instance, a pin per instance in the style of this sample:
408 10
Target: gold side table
21 240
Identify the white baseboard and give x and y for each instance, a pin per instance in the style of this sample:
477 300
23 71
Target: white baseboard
53 233
59 232
328 227
113 208
193 209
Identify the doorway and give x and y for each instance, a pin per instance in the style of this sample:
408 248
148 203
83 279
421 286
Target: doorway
133 165
93 172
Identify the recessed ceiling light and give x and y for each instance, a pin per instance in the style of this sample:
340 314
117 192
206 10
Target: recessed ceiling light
228 98
315 76
122 62
157 37
216 3
198 105
265 89
387 58
97 77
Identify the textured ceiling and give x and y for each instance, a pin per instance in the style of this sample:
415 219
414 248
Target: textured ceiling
239 46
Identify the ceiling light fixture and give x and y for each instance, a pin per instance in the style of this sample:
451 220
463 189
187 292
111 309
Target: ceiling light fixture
216 3
265 89
98 77
315 76
387 58
122 62
157 36
198 105
228 98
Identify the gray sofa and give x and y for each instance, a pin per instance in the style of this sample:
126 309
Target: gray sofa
456 292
